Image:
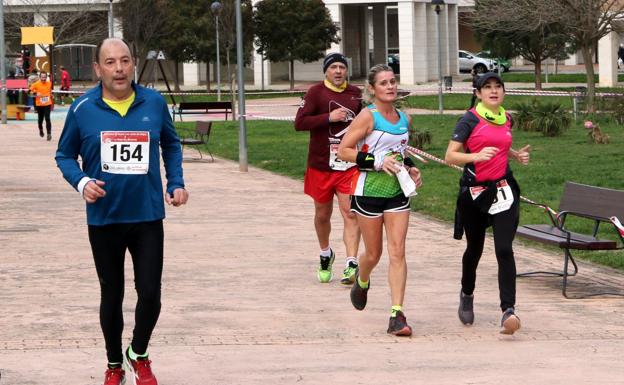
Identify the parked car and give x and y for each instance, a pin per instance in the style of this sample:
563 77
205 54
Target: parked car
394 63
469 61
504 63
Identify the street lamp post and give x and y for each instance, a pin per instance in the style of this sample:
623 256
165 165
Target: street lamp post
216 9
240 64
111 30
3 89
438 7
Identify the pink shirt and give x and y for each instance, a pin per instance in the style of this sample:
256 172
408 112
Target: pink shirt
487 134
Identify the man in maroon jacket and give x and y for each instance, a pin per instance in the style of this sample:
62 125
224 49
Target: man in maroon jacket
326 111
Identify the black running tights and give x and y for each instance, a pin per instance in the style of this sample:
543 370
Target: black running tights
109 244
44 112
504 227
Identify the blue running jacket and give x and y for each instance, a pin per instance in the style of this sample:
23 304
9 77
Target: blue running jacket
129 198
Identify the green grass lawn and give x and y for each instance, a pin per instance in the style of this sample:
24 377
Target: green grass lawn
529 77
277 147
462 101
226 96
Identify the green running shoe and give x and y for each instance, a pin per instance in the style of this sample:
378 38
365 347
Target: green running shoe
325 268
348 274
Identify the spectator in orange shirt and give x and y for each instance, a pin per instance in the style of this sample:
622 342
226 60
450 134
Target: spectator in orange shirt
42 90
65 84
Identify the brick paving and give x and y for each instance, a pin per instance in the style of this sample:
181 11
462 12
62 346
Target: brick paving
241 303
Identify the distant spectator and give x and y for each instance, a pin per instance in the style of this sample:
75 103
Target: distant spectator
475 78
620 55
26 59
19 68
42 90
13 95
65 84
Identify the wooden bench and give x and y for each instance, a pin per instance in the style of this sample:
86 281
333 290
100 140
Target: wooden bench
202 108
17 111
202 134
591 203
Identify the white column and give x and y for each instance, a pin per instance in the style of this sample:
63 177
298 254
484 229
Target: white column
262 71
380 34
453 46
444 35
413 36
335 10
190 74
431 21
40 20
117 28
364 56
574 59
607 60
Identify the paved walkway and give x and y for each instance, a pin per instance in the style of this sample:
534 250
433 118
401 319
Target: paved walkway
241 303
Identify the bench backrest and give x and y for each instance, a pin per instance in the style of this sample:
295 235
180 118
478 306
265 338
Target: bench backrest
216 105
592 201
203 128
204 105
193 105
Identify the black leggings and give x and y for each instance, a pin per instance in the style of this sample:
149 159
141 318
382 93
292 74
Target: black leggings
504 226
44 112
109 243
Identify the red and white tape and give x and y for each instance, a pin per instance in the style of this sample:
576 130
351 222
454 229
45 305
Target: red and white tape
420 153
618 225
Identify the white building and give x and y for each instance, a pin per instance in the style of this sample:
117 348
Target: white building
369 30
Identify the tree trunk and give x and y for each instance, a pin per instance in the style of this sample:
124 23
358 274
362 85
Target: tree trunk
177 76
233 98
538 75
227 58
588 57
292 74
208 76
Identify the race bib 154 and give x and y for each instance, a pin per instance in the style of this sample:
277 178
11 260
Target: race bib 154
124 152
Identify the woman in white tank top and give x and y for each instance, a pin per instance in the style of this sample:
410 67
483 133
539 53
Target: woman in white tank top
376 142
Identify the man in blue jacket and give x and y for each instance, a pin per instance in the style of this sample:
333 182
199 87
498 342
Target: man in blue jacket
118 128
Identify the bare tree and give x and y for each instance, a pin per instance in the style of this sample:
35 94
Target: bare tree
521 27
143 25
587 21
72 24
584 22
227 31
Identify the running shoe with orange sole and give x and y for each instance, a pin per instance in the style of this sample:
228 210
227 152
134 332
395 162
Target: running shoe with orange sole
398 325
510 323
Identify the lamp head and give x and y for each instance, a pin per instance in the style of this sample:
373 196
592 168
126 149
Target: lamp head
215 7
438 5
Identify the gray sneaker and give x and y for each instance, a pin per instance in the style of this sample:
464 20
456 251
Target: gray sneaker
510 322
465 311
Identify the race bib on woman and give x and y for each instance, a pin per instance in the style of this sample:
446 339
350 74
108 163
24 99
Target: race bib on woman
124 152
503 200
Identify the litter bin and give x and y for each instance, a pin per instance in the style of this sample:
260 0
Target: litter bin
448 82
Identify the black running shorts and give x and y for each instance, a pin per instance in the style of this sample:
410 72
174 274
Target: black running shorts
373 207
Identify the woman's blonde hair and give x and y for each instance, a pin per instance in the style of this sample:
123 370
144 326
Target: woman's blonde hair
369 98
